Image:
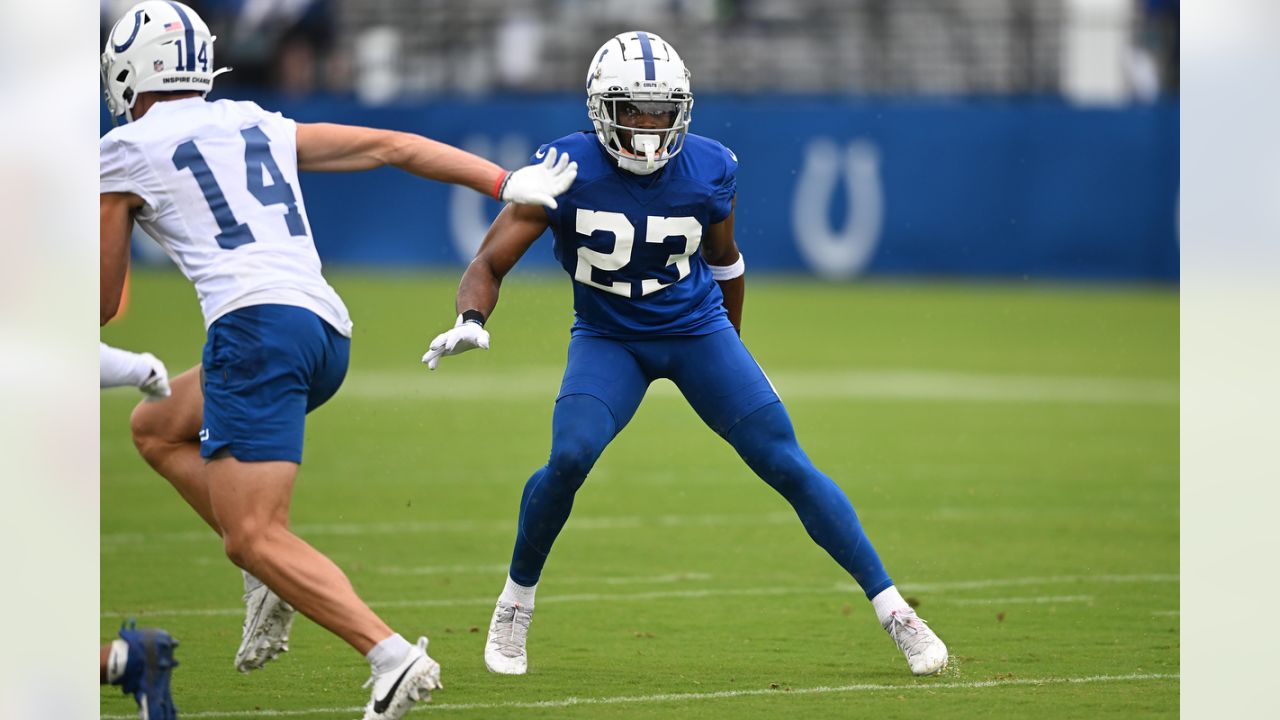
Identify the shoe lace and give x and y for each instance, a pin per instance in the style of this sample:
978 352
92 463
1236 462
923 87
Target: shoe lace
909 631
511 629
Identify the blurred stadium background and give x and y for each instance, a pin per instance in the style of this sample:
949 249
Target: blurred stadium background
991 138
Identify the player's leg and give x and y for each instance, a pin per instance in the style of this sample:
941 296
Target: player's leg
581 427
167 435
602 387
265 368
730 392
251 500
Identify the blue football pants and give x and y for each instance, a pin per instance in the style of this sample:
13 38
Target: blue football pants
603 385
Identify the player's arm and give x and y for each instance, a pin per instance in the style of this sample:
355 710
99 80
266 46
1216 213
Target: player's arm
115 226
326 147
721 252
516 228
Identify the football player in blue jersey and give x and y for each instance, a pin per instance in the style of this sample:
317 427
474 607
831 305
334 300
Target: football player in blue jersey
646 233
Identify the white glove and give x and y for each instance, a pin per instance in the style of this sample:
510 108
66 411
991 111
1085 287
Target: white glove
156 386
539 184
464 336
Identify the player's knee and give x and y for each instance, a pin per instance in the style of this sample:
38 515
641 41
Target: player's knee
571 459
146 429
245 542
237 547
784 466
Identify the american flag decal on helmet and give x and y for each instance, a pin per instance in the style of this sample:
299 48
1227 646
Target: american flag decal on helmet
173 26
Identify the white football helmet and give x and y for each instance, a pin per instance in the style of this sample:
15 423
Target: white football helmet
634 75
157 46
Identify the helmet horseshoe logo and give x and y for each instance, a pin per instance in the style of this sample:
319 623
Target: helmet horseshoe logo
137 25
596 67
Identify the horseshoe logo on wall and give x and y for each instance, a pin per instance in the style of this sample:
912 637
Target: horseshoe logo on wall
470 213
830 252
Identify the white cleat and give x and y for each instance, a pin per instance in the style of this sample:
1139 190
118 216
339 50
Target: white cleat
925 652
504 653
396 690
267 621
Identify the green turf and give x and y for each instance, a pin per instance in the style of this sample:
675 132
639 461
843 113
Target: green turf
1011 449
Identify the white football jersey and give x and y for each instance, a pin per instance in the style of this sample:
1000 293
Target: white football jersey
220 183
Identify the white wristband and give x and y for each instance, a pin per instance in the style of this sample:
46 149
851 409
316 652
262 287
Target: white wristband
728 272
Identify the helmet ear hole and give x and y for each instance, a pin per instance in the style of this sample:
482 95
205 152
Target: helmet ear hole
123 75
127 95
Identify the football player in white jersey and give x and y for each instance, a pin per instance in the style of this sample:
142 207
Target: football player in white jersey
216 184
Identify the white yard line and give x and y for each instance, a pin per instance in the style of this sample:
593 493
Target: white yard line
541 383
925 685
838 588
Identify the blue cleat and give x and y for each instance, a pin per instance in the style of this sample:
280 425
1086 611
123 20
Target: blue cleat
147 670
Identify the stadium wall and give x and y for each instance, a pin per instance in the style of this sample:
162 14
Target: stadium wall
833 186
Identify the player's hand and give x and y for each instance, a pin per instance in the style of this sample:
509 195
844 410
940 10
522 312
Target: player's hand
156 386
463 336
539 184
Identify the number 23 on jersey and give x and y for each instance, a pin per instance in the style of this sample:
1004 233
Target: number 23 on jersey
657 230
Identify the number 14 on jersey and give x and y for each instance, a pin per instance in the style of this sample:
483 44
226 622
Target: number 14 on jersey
257 159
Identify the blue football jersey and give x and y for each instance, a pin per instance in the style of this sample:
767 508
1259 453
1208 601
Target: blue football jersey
631 242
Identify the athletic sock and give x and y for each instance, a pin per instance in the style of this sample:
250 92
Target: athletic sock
117 661
518 594
251 583
389 653
886 602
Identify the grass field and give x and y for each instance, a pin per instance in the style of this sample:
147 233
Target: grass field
1012 451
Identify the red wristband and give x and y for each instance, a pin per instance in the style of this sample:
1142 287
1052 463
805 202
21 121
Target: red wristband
497 185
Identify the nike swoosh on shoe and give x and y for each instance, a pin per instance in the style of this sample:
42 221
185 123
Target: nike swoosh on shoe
380 706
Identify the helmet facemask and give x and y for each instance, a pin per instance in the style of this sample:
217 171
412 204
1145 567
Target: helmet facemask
639 100
644 130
